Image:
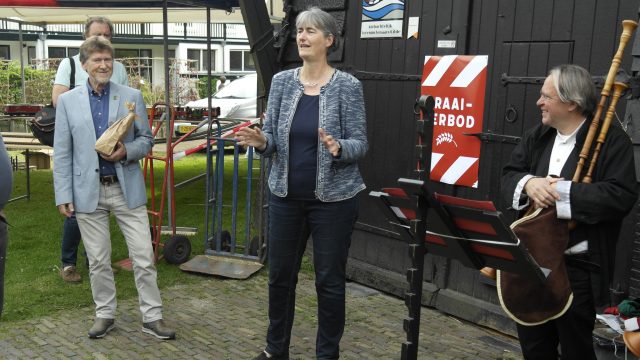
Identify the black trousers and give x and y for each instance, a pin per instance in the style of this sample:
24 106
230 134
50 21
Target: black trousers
573 330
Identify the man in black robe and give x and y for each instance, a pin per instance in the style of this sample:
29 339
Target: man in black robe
539 174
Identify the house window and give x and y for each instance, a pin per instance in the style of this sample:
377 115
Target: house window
31 55
198 59
60 52
4 52
241 60
138 62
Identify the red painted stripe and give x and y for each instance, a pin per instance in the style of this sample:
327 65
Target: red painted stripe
428 68
435 239
474 204
471 175
442 166
475 226
395 192
456 67
408 213
491 251
47 3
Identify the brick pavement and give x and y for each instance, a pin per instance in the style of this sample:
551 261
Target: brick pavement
227 319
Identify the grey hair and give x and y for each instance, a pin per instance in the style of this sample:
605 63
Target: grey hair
99 20
573 83
322 21
94 44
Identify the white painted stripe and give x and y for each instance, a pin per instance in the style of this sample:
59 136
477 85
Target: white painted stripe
426 59
471 71
382 4
397 212
475 185
441 68
457 169
435 157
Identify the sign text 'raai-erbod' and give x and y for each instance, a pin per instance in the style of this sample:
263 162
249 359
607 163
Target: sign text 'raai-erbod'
457 84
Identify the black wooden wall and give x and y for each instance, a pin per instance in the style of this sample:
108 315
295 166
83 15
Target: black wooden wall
523 39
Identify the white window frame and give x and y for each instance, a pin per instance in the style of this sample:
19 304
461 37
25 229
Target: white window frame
148 66
60 43
227 60
182 51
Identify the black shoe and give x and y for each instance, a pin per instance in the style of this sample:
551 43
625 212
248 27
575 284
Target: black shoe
101 327
263 356
158 329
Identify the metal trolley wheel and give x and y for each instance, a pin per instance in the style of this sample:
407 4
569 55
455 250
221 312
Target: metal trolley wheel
177 249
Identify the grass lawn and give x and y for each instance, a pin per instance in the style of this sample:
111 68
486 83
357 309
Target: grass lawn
33 286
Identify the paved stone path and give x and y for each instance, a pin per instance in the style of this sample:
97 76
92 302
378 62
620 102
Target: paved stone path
227 319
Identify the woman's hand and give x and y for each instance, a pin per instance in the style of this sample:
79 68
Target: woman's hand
329 142
542 191
248 136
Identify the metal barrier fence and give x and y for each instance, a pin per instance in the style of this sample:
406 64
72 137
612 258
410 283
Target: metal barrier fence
39 77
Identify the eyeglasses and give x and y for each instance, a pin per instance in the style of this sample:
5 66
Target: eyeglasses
547 98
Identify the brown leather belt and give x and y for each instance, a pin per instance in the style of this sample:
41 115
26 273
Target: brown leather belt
108 179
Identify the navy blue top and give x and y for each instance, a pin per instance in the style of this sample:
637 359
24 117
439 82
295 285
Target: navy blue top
303 149
100 114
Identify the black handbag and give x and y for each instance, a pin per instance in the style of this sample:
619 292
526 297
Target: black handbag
43 123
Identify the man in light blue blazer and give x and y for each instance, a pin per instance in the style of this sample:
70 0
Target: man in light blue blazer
94 186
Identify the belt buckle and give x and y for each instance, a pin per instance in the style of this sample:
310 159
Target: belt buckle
108 180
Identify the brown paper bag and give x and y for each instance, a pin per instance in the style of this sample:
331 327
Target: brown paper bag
107 142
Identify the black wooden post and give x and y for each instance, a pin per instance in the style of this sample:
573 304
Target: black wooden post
260 34
413 297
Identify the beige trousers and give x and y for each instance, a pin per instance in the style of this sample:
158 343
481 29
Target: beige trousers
134 224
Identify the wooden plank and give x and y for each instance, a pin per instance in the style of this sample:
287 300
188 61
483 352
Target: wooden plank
256 20
22 141
538 26
581 31
301 5
562 20
605 37
8 134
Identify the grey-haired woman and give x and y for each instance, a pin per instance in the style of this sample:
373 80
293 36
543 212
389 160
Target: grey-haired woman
315 131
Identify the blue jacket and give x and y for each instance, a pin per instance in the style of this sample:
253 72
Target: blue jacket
341 115
76 175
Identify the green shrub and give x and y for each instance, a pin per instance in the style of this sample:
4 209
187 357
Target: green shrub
202 86
38 84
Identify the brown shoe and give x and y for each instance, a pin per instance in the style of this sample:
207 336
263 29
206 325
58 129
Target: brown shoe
70 274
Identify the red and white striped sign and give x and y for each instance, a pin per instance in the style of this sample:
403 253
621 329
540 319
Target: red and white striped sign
458 85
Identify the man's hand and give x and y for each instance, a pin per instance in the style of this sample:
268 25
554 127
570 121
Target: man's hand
118 154
542 191
66 209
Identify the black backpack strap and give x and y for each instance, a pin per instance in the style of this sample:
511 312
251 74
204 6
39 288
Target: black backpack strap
72 79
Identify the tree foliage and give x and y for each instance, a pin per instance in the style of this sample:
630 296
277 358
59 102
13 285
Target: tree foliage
38 84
